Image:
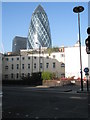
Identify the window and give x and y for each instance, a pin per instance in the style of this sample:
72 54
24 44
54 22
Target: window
28 74
6 76
6 67
12 67
17 75
40 65
54 56
6 59
62 55
47 65
28 66
28 58
22 74
17 66
44 32
11 75
23 58
22 66
54 64
34 65
62 65
12 59
18 58
47 57
63 75
41 57
34 57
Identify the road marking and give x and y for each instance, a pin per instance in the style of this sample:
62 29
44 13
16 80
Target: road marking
17 114
74 97
27 115
9 112
36 117
56 108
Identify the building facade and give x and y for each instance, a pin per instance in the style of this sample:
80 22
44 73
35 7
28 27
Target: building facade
72 61
19 43
29 61
39 30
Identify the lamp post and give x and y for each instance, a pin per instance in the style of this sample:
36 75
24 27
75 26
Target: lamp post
79 9
39 54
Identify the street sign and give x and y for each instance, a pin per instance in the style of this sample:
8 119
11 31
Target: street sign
87 74
86 70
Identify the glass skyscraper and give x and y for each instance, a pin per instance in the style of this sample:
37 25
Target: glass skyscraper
19 43
39 30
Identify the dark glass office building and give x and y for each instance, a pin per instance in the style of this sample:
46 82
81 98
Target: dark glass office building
19 43
39 30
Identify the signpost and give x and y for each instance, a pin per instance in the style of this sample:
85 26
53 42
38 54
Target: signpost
86 70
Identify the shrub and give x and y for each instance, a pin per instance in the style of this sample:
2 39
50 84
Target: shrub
46 75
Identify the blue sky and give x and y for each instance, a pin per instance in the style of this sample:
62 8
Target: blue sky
16 18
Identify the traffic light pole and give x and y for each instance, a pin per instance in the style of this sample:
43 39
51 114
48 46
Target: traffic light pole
80 52
39 58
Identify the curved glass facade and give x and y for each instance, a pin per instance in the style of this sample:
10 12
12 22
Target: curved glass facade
39 30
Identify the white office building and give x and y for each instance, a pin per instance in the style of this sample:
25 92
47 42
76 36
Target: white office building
72 61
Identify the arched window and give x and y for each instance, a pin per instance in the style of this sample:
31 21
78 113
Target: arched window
62 65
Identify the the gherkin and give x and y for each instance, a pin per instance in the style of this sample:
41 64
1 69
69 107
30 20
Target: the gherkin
39 30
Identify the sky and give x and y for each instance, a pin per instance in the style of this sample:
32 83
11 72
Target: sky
16 17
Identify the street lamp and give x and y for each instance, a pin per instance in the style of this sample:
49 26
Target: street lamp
39 54
79 9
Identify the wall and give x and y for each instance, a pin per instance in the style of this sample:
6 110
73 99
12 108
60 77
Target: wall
72 61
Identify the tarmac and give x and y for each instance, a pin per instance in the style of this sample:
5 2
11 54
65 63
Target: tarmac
67 88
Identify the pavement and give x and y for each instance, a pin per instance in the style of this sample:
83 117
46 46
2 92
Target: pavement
67 88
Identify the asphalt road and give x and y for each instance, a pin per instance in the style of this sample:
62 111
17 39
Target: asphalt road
30 102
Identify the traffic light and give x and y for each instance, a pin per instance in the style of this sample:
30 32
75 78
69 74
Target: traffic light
88 30
87 41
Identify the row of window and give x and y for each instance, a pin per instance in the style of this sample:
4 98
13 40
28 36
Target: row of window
41 65
13 76
23 58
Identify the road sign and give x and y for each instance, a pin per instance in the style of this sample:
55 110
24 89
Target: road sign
87 74
86 70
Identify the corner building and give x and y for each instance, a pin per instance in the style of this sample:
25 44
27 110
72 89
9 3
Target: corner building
39 30
15 66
